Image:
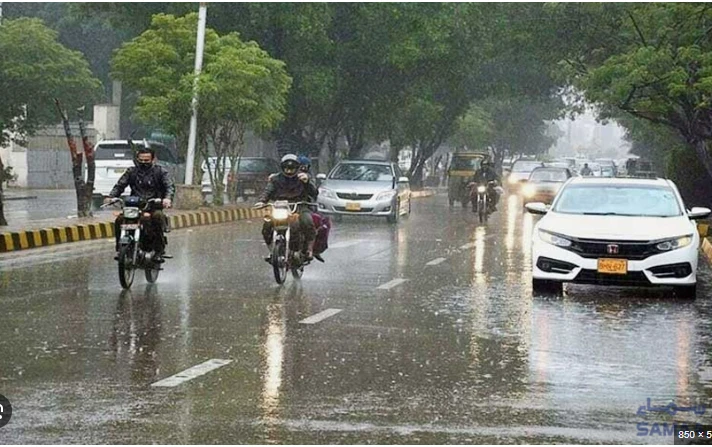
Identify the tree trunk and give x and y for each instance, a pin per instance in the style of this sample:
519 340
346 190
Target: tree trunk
703 155
3 222
88 187
76 163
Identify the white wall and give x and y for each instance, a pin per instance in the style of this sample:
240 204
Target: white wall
16 156
107 121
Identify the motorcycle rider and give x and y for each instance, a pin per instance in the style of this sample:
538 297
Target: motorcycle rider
147 181
483 176
293 186
586 171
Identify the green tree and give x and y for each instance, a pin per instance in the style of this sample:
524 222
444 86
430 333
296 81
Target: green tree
35 69
659 69
240 87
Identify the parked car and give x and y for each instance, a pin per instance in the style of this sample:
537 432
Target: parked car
114 157
544 183
365 187
521 169
615 231
252 175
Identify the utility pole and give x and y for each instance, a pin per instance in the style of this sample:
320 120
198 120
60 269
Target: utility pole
199 46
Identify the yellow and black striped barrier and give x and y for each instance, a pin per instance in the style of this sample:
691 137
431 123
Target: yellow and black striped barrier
46 237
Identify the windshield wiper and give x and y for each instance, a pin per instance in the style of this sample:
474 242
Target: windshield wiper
611 214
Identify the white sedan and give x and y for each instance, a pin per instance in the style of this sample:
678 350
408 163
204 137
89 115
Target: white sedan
613 231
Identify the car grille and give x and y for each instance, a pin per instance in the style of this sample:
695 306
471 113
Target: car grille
586 276
344 210
593 248
349 196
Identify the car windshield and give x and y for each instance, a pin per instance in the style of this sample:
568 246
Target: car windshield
548 175
618 200
257 165
465 163
525 166
365 172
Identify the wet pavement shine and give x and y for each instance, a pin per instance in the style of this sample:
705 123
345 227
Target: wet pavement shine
424 332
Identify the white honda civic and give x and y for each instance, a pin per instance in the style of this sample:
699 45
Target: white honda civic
614 231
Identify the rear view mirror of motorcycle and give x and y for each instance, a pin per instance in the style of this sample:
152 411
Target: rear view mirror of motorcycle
321 176
537 208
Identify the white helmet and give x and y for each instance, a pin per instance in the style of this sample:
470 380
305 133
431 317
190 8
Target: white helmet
289 165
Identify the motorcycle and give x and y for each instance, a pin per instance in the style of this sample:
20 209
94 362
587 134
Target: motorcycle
133 253
480 196
286 252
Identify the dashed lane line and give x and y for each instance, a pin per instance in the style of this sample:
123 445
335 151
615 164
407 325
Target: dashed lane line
191 373
436 261
391 284
321 316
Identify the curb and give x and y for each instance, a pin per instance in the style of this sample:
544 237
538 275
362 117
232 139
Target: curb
46 237
707 249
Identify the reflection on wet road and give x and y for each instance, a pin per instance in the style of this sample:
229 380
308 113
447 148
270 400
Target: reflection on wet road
425 332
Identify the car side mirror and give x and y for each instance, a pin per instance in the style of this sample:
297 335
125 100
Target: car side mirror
699 213
403 180
321 176
537 208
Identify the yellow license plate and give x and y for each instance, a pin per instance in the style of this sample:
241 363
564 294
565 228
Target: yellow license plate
613 266
353 206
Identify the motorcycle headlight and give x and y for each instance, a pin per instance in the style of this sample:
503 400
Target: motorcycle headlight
554 239
280 214
481 189
386 195
529 190
132 213
329 194
511 180
674 243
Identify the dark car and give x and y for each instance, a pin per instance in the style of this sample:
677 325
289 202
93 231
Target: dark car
252 175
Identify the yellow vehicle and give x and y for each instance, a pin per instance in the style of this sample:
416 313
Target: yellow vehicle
463 166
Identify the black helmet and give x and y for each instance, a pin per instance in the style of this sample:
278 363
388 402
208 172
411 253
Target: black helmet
289 165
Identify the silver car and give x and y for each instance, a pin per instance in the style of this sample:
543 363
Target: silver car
365 187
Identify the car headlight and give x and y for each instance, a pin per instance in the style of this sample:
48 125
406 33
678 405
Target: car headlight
329 194
481 189
554 239
386 195
280 214
131 213
674 243
529 190
511 180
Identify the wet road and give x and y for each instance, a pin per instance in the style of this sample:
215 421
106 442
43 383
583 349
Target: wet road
422 333
39 204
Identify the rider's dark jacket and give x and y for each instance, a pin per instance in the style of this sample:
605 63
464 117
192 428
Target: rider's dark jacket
281 187
152 183
484 175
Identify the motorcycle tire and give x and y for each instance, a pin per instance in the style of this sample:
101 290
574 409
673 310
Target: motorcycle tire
279 261
126 271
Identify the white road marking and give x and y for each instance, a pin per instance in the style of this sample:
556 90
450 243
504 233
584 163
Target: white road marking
436 261
344 244
391 284
468 246
323 315
192 373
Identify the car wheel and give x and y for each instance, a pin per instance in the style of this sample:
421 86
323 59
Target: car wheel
393 218
547 287
686 292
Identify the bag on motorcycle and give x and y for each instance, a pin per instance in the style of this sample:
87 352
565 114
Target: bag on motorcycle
323 226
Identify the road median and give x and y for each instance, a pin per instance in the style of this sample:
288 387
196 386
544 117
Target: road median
100 228
92 229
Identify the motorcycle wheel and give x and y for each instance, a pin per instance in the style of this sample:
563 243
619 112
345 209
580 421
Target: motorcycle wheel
482 210
279 261
152 272
126 271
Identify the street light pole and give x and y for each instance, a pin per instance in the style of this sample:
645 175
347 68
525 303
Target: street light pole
199 46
